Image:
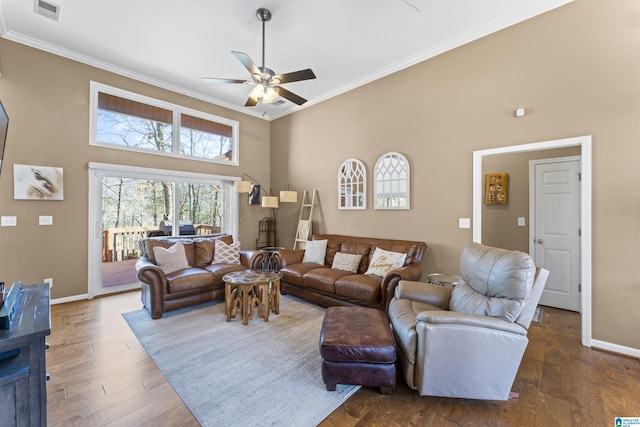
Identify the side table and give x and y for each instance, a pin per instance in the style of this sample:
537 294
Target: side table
247 289
269 263
444 279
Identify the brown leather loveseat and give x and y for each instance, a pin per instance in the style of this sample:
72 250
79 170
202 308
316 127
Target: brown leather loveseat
329 286
198 280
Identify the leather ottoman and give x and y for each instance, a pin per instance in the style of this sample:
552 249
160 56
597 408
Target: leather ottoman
357 347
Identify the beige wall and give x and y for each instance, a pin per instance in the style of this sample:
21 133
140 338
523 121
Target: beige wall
577 71
500 222
47 98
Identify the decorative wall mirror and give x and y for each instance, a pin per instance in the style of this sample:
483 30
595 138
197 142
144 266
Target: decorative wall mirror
391 185
352 185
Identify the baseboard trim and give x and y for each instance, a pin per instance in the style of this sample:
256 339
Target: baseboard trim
69 299
615 348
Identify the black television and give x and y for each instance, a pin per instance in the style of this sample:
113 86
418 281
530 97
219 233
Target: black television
4 126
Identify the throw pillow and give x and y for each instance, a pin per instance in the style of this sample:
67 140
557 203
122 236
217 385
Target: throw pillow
383 262
171 259
226 254
315 251
347 262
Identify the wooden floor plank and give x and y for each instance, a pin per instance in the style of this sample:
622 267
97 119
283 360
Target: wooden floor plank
101 376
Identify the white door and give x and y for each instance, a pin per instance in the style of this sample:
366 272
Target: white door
555 232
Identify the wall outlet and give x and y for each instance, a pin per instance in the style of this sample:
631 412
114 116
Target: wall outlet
49 281
8 221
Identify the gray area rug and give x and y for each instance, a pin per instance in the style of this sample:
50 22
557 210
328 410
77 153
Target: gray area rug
261 374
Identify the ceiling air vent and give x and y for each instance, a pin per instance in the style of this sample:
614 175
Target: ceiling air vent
47 9
278 102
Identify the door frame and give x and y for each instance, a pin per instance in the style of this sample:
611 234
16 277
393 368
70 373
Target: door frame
98 170
533 199
584 142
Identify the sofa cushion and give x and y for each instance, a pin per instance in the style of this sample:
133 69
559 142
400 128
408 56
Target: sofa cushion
204 251
294 273
383 262
315 251
359 286
323 278
226 254
172 258
358 248
219 270
346 262
188 278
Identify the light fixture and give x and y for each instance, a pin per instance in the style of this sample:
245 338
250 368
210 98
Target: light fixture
269 201
270 95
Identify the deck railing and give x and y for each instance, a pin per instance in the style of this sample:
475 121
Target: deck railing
119 244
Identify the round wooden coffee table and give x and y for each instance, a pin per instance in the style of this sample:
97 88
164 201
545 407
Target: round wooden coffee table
246 289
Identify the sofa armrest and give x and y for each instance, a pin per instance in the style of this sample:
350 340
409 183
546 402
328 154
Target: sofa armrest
412 271
427 293
470 320
284 257
251 258
148 272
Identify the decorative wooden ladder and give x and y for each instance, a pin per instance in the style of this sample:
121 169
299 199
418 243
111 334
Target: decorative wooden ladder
303 233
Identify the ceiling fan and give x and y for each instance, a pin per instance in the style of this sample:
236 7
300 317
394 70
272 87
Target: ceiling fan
266 82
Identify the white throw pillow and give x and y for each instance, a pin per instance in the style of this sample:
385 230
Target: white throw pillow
226 254
383 262
347 262
315 251
171 259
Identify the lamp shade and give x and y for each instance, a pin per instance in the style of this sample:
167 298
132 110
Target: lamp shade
243 186
289 196
269 202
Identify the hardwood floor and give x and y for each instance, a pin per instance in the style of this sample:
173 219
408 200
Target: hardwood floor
101 376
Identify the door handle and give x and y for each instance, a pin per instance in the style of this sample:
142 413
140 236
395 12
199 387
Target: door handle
540 241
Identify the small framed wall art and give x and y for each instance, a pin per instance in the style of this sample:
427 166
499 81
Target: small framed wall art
37 183
495 190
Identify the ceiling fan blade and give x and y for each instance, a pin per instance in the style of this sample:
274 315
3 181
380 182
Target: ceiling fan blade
295 76
251 102
290 95
247 62
216 80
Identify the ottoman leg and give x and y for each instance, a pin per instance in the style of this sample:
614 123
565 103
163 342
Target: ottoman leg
331 387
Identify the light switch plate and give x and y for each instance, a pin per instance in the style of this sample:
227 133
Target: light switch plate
8 221
45 220
521 221
464 222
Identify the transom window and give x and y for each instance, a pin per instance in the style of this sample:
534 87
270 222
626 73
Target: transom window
125 120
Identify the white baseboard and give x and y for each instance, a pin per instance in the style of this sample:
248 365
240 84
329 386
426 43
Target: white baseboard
69 299
615 348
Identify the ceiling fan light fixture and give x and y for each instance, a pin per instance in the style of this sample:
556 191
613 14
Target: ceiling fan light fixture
270 95
257 92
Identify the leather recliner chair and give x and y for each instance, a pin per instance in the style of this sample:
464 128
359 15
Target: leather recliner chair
468 341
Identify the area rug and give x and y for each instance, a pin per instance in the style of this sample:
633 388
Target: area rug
261 374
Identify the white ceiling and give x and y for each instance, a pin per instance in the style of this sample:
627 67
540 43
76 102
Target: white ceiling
173 43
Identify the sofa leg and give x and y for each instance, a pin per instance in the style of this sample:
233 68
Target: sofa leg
386 390
331 387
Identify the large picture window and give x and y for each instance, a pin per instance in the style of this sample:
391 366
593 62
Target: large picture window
125 120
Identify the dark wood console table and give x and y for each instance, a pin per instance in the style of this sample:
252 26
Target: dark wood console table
23 392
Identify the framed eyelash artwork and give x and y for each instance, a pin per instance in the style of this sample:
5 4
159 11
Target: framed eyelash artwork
37 183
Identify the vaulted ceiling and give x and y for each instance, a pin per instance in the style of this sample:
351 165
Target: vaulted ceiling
173 44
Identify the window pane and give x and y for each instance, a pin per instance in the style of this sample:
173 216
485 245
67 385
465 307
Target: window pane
201 206
205 138
133 124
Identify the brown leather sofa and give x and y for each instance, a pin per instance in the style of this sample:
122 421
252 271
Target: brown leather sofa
200 282
327 286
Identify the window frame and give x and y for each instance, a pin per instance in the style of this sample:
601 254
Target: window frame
177 111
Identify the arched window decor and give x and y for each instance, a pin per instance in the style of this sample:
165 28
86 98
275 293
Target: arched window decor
352 185
392 182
